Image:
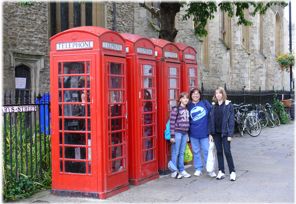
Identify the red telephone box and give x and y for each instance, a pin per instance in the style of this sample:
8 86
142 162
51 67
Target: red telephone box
89 112
168 90
141 83
189 67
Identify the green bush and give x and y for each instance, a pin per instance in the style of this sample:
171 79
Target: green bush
279 108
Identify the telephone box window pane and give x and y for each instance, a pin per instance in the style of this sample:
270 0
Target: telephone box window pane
61 82
192 72
75 152
60 96
116 124
74 82
116 110
173 83
89 167
148 155
75 167
148 82
115 68
172 104
148 143
60 110
173 71
116 152
74 68
73 110
116 138
87 67
148 94
147 70
60 68
173 94
61 138
148 131
116 82
192 82
117 165
61 152
72 96
74 124
147 106
88 125
148 118
61 166
73 138
116 96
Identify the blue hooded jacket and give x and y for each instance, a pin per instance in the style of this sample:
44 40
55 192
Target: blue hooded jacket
199 119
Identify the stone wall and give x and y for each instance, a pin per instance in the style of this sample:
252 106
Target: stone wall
25 40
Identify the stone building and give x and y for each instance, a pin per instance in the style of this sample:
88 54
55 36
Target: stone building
236 55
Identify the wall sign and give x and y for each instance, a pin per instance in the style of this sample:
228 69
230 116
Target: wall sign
75 45
20 83
15 109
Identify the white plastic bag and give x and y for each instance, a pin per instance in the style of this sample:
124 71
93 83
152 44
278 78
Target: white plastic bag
211 157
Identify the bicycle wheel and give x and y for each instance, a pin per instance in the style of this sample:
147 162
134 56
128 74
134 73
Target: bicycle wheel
263 118
253 126
276 118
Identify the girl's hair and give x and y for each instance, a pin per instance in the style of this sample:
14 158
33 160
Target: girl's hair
222 91
194 90
182 94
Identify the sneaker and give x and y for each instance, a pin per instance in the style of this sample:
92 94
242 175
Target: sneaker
185 174
179 176
212 174
220 176
232 176
174 174
197 173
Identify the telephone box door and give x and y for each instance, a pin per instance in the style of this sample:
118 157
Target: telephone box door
116 119
73 154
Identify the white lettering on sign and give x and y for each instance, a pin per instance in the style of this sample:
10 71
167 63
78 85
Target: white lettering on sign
145 51
15 109
188 56
75 45
170 55
112 46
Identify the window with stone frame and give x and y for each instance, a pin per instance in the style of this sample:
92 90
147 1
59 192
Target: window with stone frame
278 34
246 32
65 15
225 29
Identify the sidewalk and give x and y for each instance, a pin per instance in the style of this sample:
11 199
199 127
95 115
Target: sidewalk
265 173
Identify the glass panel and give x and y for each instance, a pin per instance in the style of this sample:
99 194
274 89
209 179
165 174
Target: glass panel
74 81
147 70
192 72
73 110
60 68
74 124
148 131
148 155
148 82
74 67
116 96
147 143
89 167
72 96
116 124
116 110
147 106
115 82
173 94
173 83
148 94
116 138
172 71
60 138
61 166
192 82
75 167
75 152
117 165
61 152
115 68
87 67
72 138
148 118
88 125
172 104
116 152
60 110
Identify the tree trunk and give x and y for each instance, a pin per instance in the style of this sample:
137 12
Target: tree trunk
168 13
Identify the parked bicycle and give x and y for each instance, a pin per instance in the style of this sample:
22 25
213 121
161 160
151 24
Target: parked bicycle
273 118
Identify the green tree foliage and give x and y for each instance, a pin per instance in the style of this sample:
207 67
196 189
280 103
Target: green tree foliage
201 12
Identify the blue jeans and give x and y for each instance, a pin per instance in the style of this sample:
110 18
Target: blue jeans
198 146
178 149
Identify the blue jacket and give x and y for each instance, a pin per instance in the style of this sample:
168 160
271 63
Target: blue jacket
199 119
227 121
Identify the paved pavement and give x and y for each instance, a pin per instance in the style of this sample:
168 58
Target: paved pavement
265 173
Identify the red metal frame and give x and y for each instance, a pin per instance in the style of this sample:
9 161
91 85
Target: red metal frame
103 147
142 109
189 67
168 82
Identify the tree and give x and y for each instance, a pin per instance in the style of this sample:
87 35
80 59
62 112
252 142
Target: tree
201 12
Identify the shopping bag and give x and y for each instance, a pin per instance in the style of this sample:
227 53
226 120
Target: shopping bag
187 154
211 157
167 131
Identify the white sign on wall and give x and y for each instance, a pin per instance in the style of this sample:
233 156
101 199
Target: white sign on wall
20 83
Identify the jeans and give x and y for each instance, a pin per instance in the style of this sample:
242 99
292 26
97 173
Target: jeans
223 144
199 145
178 149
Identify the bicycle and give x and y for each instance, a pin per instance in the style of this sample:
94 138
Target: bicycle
273 118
